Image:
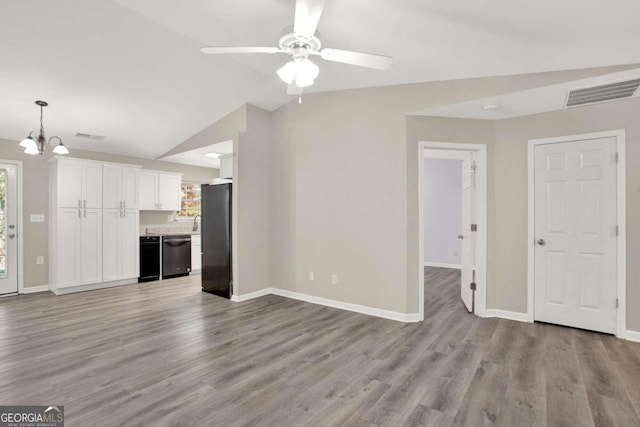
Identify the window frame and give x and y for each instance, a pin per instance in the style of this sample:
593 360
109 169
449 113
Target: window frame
180 218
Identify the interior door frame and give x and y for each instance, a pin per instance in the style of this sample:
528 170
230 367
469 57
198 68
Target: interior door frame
480 151
19 221
621 243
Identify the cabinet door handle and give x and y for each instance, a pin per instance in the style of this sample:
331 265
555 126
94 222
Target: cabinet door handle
79 204
79 213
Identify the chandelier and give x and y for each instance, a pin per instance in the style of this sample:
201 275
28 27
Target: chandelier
40 144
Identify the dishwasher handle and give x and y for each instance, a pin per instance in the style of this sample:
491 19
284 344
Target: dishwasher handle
176 242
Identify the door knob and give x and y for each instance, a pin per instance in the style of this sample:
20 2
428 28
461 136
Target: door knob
541 242
460 236
11 236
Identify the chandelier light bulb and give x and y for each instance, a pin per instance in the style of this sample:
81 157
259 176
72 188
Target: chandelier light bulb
32 150
28 142
60 149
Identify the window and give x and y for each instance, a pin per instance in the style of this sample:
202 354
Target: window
190 205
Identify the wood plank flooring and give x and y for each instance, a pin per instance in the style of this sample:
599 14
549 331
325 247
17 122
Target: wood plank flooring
166 354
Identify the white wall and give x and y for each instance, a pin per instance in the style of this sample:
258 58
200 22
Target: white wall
442 198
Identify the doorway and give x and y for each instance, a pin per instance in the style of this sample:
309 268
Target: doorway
576 230
9 218
469 160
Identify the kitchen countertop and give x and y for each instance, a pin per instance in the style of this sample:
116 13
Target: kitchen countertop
170 231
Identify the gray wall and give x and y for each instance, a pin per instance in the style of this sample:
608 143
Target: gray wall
347 184
442 201
36 198
507 187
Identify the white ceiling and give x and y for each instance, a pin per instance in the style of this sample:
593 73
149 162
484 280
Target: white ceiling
198 156
533 101
131 69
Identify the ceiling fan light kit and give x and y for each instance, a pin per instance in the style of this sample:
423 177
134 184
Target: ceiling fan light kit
303 42
40 143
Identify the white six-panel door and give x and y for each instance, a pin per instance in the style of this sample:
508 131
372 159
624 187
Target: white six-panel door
575 234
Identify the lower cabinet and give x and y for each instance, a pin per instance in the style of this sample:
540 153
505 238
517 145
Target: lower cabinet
120 245
196 252
77 247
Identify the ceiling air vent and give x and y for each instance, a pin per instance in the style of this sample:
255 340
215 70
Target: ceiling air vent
608 92
89 136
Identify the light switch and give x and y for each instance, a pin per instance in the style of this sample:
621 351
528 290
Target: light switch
40 260
36 217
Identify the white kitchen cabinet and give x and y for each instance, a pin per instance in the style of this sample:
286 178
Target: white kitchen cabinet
120 246
66 256
169 191
120 189
78 183
148 191
196 253
160 191
76 258
94 225
91 247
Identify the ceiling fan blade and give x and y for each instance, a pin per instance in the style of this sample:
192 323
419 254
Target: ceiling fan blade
294 90
239 49
307 16
368 60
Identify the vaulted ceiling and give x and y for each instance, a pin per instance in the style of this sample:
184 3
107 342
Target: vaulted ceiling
131 70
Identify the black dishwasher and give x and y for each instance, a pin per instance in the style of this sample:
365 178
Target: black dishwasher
176 256
149 258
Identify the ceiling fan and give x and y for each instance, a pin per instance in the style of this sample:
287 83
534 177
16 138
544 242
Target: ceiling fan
303 42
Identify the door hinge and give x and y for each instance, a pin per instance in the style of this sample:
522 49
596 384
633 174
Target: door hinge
474 227
617 304
617 158
617 230
472 285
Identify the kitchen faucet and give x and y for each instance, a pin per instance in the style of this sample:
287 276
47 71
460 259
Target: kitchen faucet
195 222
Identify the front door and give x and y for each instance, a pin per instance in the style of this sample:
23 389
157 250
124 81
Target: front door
467 246
575 234
8 229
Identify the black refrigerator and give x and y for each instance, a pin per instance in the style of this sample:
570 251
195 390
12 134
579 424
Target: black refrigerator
216 240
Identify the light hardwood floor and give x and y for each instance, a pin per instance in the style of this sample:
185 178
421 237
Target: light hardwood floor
165 353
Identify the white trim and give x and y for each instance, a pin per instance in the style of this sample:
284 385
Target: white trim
621 219
35 289
510 315
445 154
631 335
442 265
481 241
362 309
19 222
251 295
92 287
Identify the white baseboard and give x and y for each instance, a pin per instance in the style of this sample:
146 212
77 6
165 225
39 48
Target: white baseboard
510 315
631 335
442 265
251 295
92 287
34 289
362 309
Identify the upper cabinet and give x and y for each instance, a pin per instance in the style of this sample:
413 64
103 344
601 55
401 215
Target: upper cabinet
120 190
78 183
160 191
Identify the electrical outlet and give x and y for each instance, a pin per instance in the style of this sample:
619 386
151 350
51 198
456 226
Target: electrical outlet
311 276
334 279
40 260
